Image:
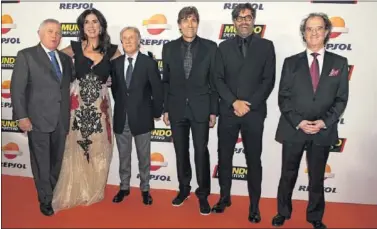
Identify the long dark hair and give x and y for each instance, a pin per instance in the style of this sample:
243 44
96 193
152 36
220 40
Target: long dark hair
104 38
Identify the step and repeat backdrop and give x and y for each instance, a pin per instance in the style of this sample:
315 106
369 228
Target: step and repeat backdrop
351 174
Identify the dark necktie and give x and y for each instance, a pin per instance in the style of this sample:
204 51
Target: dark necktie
314 71
129 72
55 63
244 47
187 62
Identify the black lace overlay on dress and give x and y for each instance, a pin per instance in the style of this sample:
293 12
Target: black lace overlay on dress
87 119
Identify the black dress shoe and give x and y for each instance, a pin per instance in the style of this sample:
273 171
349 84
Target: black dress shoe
147 198
220 206
318 224
254 217
279 220
46 209
204 207
180 198
120 196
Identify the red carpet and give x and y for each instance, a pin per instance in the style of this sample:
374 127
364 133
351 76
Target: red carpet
20 208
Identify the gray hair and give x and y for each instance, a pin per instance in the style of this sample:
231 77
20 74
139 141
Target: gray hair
136 30
46 21
326 20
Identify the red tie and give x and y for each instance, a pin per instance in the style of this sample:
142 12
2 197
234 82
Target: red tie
314 71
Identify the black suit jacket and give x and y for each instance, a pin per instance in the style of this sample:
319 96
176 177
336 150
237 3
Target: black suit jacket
297 100
142 101
36 91
251 79
198 90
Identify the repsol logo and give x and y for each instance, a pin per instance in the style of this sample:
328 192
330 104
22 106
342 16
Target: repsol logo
75 6
10 40
157 177
154 41
231 6
305 188
13 165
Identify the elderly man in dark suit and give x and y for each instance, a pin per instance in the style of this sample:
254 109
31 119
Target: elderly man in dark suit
313 94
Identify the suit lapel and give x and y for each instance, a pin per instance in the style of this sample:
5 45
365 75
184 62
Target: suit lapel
46 61
121 74
177 57
326 68
304 71
236 48
251 56
201 53
136 69
64 64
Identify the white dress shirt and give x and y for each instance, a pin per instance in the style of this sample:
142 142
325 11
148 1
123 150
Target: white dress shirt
126 62
56 55
320 57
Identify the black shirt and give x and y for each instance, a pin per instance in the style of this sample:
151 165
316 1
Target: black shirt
240 41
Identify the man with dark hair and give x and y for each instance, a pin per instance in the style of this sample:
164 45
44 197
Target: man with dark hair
313 94
190 103
244 79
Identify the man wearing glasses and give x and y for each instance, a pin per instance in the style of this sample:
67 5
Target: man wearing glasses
244 79
313 93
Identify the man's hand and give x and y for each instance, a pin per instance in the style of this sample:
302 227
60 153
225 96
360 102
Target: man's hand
241 107
25 124
308 127
166 119
212 121
319 124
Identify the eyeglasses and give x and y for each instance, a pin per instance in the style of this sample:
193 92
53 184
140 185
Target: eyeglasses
314 29
246 18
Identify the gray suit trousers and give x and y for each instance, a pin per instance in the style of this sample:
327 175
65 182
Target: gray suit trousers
143 149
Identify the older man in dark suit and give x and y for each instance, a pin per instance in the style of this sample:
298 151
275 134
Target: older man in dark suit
313 94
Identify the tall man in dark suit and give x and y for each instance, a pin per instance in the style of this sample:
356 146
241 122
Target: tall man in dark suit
191 102
138 94
40 97
313 93
245 77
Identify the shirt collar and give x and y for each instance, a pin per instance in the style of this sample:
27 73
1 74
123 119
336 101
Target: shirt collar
134 56
193 42
321 52
46 49
248 39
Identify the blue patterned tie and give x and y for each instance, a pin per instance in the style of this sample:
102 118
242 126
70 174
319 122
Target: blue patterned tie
55 64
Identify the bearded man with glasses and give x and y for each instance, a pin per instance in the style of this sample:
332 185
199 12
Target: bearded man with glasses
244 79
